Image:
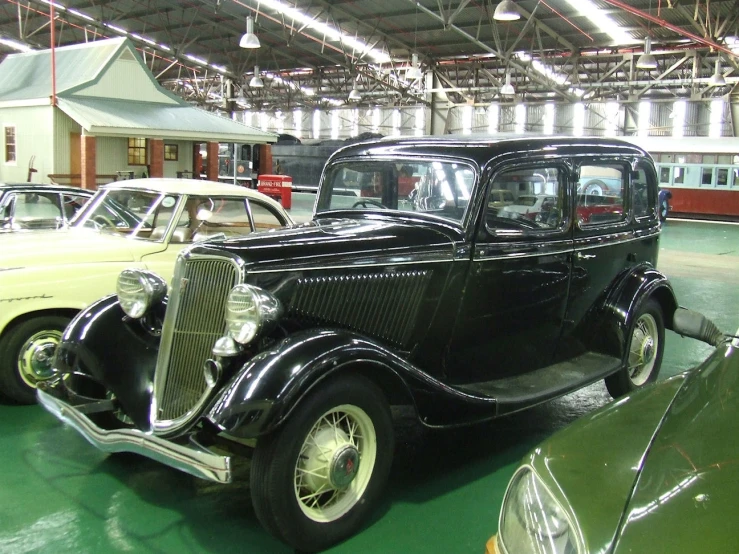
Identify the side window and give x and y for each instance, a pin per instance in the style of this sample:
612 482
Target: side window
644 200
208 217
600 194
33 205
679 175
525 198
664 175
264 218
706 175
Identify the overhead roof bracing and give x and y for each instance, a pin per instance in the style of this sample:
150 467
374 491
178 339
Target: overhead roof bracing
315 52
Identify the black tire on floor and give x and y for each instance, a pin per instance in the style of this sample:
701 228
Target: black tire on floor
645 349
26 350
316 480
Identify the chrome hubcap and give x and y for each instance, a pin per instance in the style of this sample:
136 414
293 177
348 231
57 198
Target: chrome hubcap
36 356
335 463
643 352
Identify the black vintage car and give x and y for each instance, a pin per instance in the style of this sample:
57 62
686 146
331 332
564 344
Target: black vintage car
407 287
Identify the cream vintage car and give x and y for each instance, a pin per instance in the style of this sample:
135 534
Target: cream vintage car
46 278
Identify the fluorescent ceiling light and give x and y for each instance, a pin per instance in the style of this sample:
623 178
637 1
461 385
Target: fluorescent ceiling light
15 45
359 47
80 14
602 21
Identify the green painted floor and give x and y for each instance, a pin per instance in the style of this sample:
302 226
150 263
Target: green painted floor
59 495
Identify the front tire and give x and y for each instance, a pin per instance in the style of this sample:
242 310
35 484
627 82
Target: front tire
26 354
645 349
316 479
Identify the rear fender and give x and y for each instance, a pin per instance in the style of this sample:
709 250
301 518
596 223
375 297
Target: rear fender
263 393
626 299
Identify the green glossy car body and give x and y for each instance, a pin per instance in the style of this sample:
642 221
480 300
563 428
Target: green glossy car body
656 471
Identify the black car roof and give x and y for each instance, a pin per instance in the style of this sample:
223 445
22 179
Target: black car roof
41 187
482 148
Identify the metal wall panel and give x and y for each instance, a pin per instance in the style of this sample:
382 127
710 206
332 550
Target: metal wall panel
32 138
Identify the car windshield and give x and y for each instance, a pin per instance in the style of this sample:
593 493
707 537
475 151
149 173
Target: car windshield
439 188
131 213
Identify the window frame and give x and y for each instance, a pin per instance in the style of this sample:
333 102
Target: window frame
171 152
137 149
6 146
487 234
626 202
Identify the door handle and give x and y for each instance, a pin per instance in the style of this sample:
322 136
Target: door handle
581 256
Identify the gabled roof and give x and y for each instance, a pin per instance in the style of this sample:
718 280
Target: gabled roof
80 70
112 117
27 76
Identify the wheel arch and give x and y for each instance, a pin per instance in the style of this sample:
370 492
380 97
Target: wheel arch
27 316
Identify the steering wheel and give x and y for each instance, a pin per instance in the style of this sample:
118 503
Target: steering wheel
368 202
101 221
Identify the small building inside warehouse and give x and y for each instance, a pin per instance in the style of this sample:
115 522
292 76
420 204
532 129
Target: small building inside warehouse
93 113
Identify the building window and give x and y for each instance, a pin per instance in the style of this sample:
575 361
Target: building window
136 151
171 152
10 144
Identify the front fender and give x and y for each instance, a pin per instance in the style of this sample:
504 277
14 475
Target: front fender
263 393
117 352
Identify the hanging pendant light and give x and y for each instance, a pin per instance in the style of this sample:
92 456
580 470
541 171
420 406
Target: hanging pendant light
647 59
507 89
414 73
506 11
354 95
249 39
717 79
256 81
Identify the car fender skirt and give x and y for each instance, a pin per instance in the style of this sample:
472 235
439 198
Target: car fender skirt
116 352
265 390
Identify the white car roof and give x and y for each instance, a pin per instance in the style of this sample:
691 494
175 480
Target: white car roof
171 185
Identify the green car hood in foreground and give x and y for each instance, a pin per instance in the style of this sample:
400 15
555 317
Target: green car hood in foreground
685 499
590 466
657 471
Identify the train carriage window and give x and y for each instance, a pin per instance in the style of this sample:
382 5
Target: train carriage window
679 175
724 159
735 176
722 177
664 175
603 204
706 175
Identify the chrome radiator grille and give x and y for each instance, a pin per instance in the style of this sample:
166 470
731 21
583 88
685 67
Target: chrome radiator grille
383 305
194 321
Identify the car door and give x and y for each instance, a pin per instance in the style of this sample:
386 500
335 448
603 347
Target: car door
515 296
603 243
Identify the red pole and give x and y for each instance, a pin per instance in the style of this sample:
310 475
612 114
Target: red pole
53 57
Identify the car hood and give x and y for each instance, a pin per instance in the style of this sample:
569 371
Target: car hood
687 490
600 456
339 241
78 246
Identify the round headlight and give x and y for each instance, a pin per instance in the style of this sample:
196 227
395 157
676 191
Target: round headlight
248 310
532 520
138 290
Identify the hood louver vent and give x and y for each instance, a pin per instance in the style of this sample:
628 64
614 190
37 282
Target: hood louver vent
382 305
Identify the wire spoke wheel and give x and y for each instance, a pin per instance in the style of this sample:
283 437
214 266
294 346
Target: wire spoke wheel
643 352
335 463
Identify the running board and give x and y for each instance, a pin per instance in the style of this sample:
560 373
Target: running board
519 392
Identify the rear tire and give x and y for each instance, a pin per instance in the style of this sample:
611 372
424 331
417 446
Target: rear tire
316 480
26 353
645 348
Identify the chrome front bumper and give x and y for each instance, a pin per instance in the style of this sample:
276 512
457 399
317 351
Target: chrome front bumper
193 458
